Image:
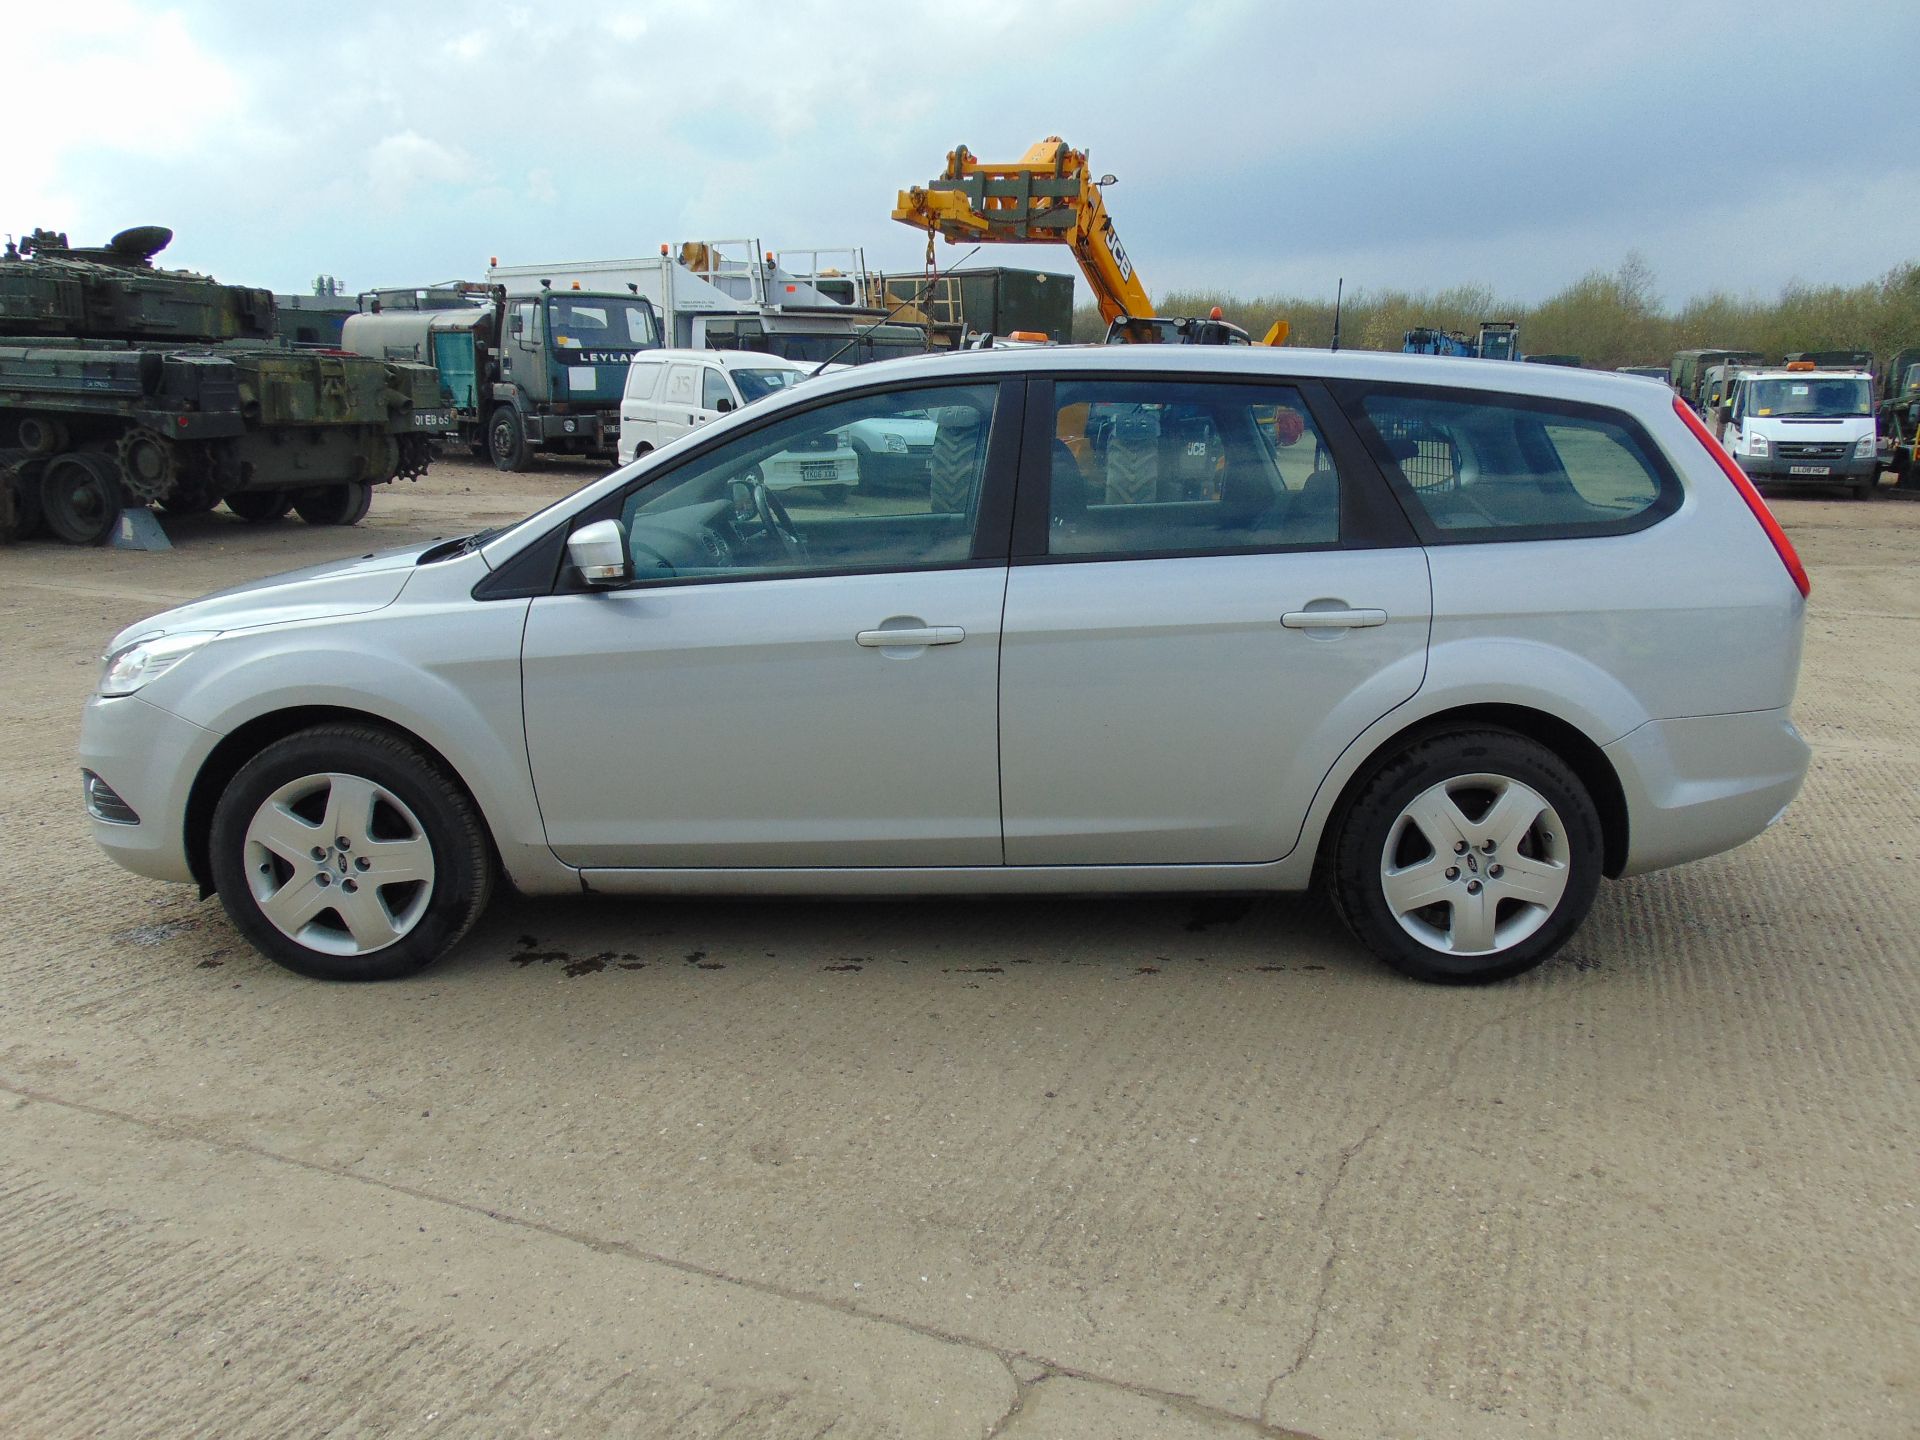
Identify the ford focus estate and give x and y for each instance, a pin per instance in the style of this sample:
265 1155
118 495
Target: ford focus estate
1455 640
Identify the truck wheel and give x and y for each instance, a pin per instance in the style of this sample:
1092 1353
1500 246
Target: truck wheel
260 507
335 504
80 497
507 441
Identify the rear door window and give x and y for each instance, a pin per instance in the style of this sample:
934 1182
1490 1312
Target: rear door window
1476 467
1164 467
642 377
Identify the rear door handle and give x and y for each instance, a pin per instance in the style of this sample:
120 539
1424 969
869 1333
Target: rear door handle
1332 619
921 635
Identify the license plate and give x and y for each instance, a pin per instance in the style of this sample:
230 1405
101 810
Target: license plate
432 420
1809 469
819 470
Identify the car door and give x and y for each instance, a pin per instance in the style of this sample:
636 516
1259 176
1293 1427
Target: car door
639 420
1212 594
784 682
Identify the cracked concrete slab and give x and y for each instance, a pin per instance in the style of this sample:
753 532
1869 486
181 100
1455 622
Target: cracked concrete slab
1056 1164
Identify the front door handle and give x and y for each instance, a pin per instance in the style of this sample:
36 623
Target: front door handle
1332 619
919 635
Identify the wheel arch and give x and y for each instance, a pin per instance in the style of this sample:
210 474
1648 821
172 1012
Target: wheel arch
239 746
1573 745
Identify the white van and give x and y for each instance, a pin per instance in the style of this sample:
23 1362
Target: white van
669 392
1802 425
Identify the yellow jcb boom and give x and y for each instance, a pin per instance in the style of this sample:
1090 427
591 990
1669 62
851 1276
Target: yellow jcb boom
1049 198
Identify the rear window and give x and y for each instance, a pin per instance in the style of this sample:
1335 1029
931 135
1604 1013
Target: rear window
1517 468
642 377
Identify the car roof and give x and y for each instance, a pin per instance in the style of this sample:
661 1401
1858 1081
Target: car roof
1596 387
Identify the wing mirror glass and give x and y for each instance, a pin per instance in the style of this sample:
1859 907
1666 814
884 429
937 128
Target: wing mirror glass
599 552
724 405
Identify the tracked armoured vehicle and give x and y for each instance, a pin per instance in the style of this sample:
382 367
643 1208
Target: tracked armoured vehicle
125 385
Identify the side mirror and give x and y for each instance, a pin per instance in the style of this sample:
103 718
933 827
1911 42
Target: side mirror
599 552
725 405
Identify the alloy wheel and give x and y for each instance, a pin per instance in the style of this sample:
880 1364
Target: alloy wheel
1475 864
339 864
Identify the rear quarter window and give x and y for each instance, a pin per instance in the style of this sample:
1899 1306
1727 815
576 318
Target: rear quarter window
1476 467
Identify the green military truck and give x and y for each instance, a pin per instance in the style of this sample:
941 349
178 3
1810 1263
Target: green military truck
124 385
1704 377
1898 414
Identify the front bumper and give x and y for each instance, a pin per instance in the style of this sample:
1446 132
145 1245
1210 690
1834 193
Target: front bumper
1698 786
802 471
593 429
1780 469
149 757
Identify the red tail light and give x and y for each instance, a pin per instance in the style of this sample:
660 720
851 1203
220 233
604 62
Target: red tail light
1781 544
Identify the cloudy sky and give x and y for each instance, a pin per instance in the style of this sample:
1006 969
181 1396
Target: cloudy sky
1261 145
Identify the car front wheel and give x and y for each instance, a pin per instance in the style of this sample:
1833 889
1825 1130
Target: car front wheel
1467 858
343 853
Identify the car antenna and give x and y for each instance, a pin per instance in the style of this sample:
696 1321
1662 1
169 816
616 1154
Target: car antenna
1338 287
915 299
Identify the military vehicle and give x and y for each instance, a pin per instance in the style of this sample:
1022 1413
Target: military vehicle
121 384
542 372
1898 415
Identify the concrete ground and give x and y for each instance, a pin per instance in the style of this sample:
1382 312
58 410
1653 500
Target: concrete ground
1034 1168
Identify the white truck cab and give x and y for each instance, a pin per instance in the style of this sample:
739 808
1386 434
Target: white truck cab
1803 425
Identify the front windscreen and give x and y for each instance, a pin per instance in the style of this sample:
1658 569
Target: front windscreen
758 384
1813 395
601 322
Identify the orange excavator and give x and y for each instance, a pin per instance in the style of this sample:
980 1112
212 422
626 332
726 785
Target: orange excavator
1050 198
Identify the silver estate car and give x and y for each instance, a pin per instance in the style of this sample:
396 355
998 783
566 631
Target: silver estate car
1455 639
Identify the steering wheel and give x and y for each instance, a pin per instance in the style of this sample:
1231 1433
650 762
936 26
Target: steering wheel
776 521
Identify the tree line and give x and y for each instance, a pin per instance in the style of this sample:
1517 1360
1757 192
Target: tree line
1607 318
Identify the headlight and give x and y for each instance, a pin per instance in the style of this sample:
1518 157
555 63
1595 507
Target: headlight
1756 445
148 658
1868 447
897 444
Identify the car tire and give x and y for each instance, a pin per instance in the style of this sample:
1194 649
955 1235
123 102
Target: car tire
507 441
335 504
1863 489
260 507
1411 875
304 900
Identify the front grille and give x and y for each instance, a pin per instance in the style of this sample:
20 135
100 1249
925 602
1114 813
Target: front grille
104 804
1790 450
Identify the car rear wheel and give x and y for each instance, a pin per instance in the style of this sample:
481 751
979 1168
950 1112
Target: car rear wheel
343 853
1467 858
